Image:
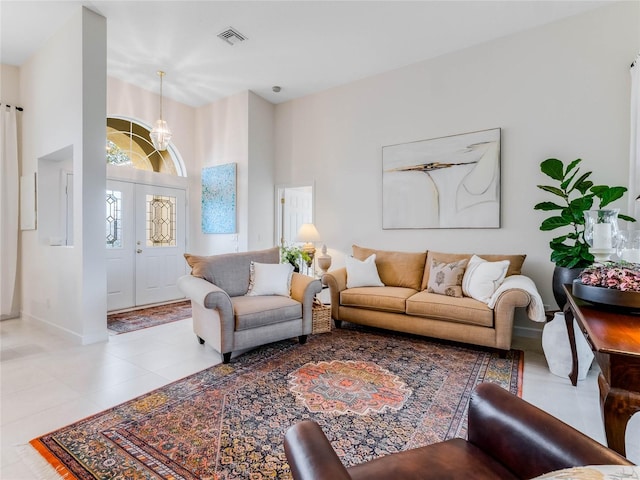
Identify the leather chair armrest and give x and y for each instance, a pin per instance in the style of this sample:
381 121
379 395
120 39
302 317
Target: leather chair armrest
310 454
336 280
527 440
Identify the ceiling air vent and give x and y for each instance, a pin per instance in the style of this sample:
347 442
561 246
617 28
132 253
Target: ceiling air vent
232 36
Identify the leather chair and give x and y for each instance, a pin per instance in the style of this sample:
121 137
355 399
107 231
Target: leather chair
508 439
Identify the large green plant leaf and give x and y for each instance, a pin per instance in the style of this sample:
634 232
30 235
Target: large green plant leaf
611 194
552 167
548 206
572 165
554 222
582 184
626 218
554 190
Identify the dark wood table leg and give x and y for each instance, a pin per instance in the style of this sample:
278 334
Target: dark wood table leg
618 406
568 318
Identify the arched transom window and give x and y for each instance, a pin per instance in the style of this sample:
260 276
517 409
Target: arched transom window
129 144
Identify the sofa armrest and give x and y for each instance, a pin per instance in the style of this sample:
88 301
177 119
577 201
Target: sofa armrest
206 294
503 313
310 454
527 440
336 280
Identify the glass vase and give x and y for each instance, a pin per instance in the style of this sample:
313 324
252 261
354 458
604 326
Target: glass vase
601 232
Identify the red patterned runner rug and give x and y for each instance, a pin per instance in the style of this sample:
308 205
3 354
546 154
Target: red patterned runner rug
148 317
372 393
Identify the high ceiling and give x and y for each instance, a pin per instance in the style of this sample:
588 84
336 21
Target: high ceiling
302 46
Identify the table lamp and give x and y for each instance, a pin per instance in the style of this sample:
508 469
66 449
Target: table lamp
308 234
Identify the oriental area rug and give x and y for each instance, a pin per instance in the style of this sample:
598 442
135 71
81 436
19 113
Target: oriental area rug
372 392
148 317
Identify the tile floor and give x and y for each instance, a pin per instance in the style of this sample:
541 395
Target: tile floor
46 382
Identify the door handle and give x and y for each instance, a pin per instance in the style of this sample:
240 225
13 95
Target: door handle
139 250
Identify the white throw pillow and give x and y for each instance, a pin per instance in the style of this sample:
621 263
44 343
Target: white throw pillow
362 273
481 278
270 279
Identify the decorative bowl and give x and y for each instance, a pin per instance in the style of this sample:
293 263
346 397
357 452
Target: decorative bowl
606 296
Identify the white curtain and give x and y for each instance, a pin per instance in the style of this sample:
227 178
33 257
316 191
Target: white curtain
8 210
634 151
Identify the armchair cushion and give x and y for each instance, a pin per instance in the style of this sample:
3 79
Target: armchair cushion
257 311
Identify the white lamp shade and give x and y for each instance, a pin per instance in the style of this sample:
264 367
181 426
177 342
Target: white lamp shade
308 233
160 135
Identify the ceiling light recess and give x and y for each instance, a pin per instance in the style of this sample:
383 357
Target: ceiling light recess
232 36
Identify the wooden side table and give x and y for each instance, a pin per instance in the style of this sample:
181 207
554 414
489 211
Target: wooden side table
615 339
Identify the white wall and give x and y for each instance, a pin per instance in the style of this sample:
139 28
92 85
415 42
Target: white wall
261 194
63 92
221 136
559 90
10 84
237 129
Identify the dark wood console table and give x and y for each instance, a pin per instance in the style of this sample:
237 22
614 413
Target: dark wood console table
615 340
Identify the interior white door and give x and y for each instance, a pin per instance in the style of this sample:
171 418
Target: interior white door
160 243
297 208
120 242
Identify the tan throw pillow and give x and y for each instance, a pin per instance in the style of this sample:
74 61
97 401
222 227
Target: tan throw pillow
446 278
396 269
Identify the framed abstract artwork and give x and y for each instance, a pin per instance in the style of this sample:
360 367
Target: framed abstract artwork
447 182
219 199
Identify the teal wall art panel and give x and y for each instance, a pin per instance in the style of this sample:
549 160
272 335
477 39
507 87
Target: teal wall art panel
219 199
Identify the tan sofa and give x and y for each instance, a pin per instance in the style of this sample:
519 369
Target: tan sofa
403 303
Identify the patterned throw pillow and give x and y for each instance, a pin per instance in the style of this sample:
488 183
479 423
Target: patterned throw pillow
446 278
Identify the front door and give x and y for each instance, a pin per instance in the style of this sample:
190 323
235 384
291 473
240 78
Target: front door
145 244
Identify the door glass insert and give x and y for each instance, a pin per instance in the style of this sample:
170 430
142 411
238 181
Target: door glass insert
114 219
161 221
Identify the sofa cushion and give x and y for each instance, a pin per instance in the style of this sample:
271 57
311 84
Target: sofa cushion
388 299
362 273
270 279
515 262
230 271
396 269
446 278
461 310
252 312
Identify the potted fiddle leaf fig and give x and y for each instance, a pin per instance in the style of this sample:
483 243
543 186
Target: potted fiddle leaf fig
574 193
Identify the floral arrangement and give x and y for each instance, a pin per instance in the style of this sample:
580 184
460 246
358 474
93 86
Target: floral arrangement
623 276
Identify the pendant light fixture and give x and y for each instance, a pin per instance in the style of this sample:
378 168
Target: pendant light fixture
160 135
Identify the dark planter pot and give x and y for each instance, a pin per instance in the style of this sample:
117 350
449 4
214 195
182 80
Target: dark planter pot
562 276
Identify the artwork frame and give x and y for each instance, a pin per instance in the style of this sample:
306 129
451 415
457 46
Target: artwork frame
219 199
443 182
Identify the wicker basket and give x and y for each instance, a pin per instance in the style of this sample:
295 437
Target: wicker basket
321 317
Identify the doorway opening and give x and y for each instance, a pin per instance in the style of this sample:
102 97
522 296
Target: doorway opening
146 218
